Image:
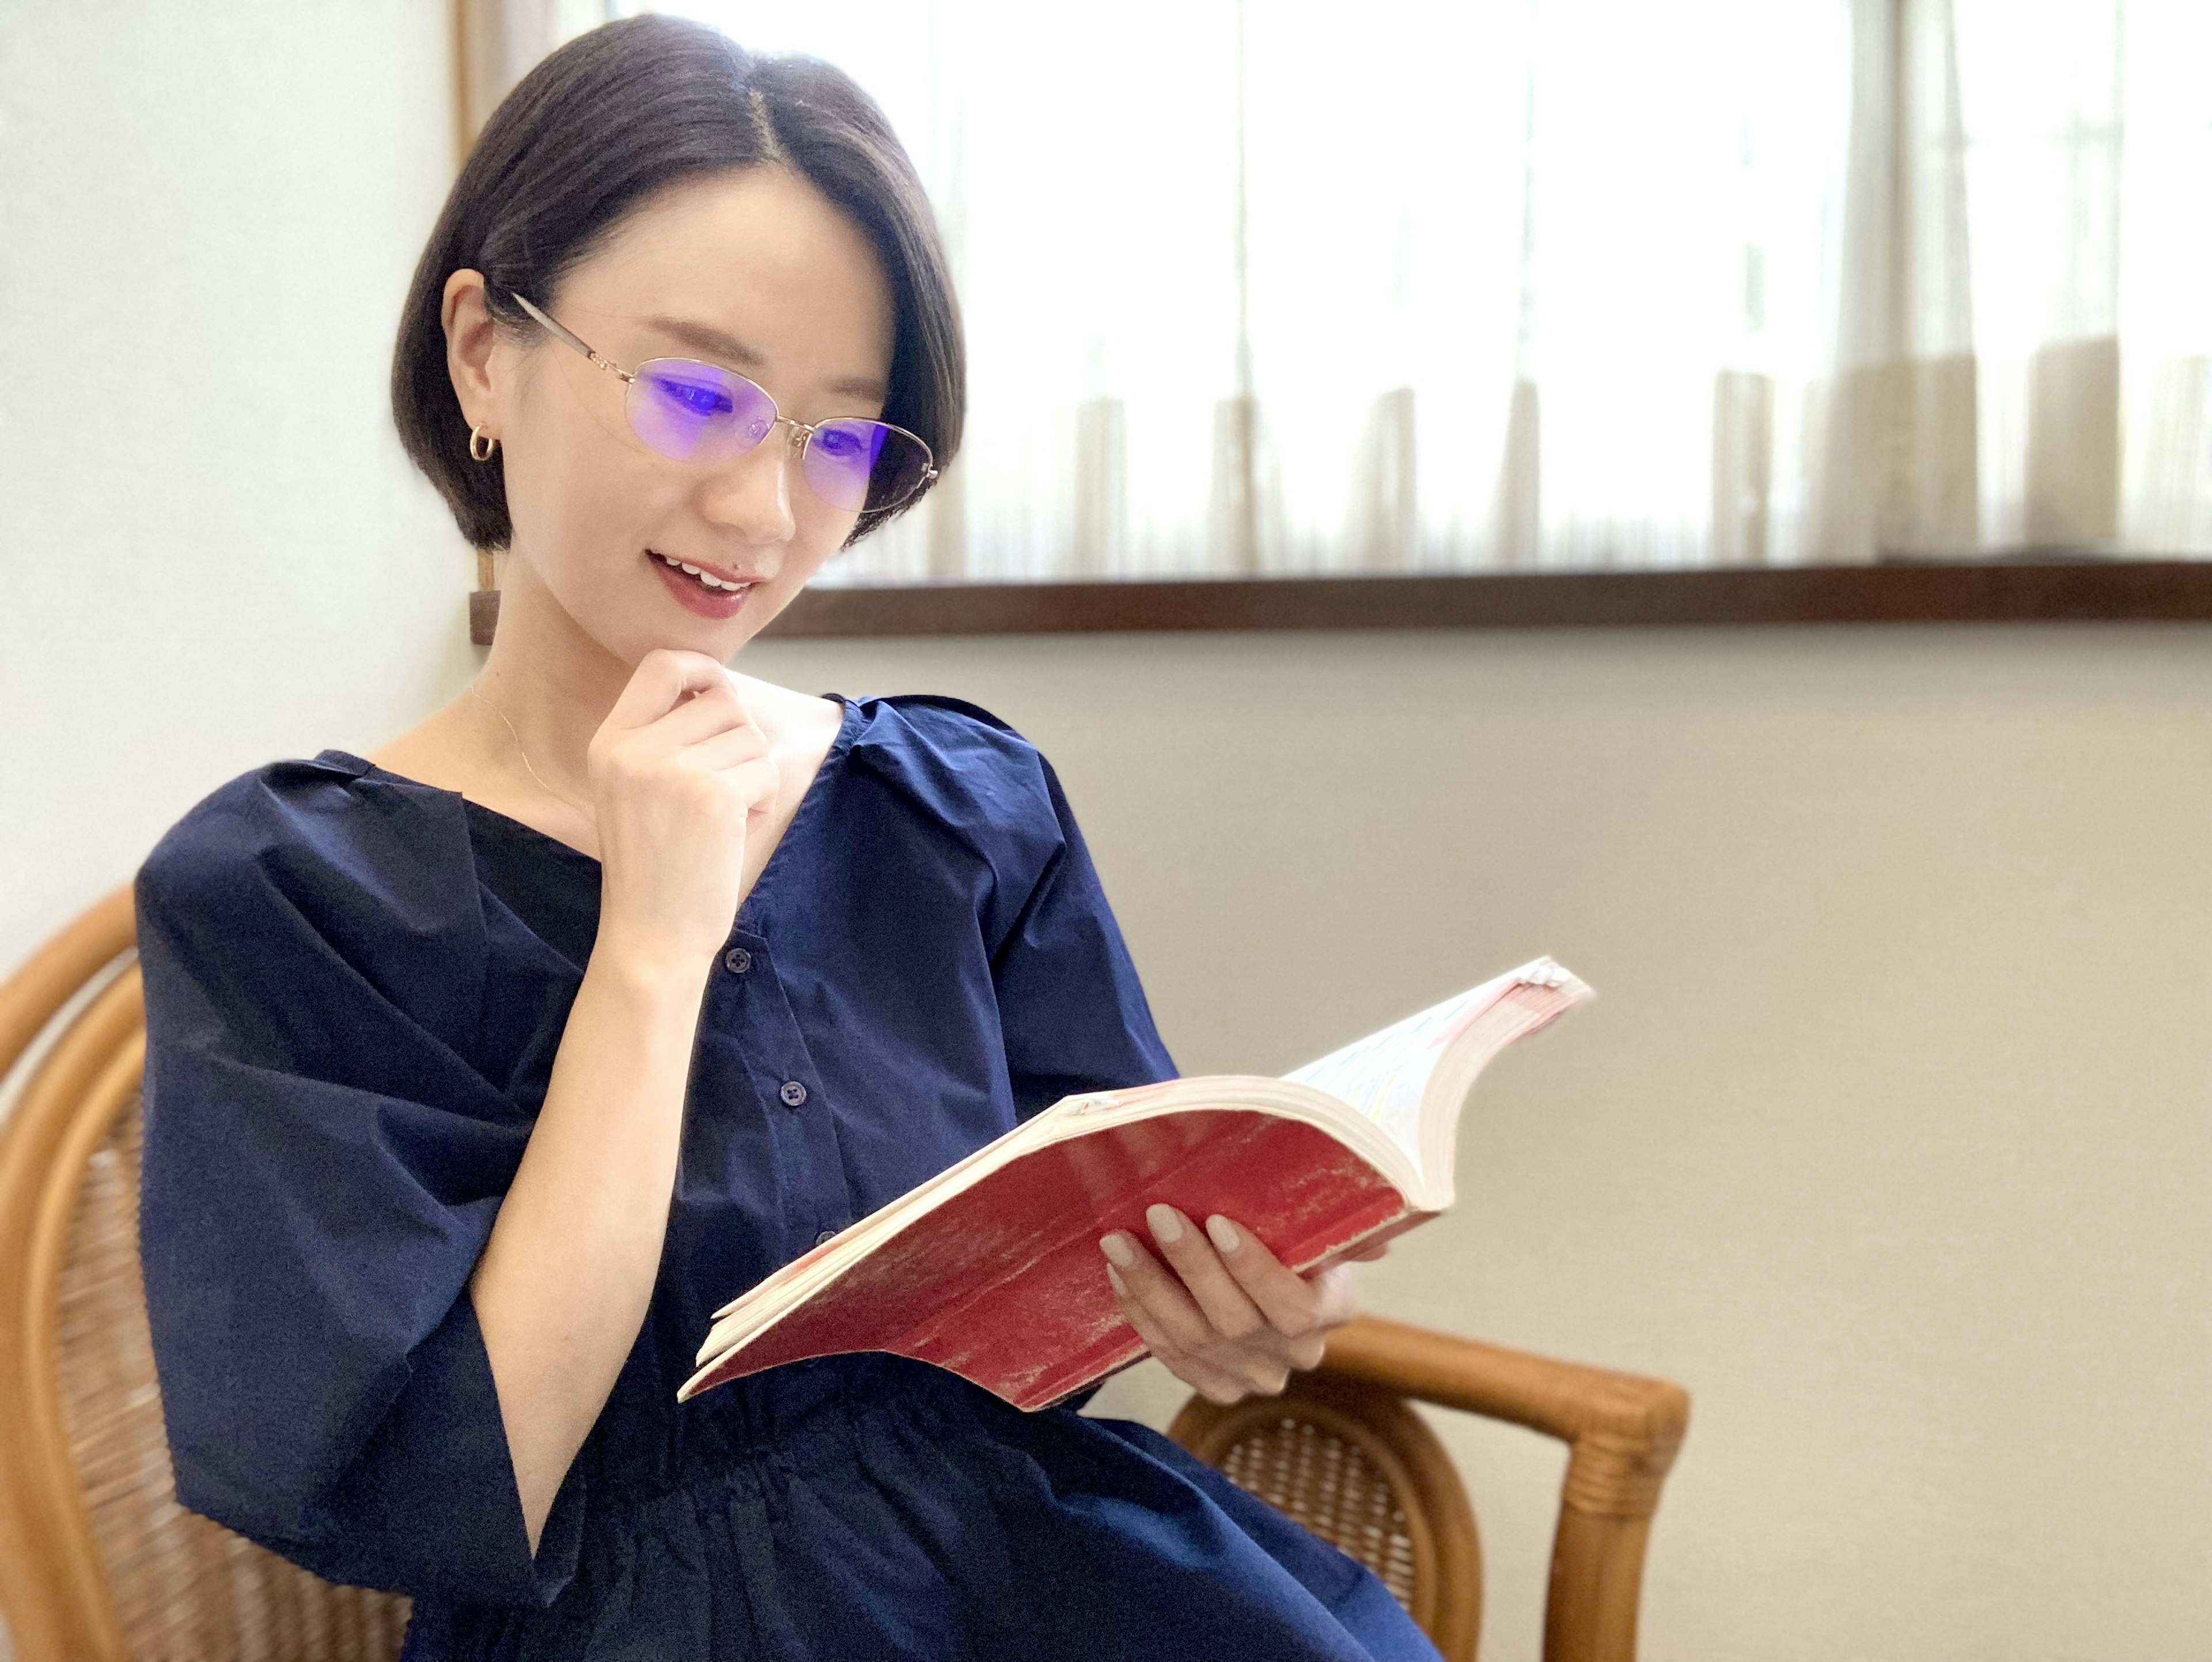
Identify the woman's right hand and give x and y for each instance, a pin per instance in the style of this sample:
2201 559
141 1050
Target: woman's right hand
681 778
680 775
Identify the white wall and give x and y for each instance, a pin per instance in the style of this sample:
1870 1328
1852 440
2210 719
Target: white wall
211 548
1888 1137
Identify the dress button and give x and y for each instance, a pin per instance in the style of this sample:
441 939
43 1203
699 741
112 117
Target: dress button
793 1094
825 1238
737 960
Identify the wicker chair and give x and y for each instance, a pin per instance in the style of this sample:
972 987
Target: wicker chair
1341 1452
98 1562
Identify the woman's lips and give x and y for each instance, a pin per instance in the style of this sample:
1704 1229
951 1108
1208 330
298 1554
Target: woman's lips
694 595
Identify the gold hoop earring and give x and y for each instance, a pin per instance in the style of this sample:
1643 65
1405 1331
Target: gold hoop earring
480 444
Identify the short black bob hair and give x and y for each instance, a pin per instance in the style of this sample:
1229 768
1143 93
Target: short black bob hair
587 137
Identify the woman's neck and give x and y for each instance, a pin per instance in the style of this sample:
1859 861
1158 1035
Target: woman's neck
552 681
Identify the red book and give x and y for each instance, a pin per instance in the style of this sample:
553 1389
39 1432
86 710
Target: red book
992 1268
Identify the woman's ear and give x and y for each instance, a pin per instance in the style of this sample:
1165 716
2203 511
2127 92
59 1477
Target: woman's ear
470 334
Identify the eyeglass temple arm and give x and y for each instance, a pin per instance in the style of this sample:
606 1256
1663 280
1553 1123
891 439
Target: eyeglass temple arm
564 334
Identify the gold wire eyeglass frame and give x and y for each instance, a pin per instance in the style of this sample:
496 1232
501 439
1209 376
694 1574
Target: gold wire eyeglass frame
801 434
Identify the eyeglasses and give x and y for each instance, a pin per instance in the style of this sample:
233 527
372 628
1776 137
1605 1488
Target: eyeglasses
701 412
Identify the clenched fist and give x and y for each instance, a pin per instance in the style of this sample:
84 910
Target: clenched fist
680 775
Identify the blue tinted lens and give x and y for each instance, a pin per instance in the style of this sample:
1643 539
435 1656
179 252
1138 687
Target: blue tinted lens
861 464
697 411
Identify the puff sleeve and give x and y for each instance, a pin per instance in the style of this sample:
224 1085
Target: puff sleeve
323 1165
1070 1004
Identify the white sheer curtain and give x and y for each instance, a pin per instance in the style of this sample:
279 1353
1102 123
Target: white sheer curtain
1277 287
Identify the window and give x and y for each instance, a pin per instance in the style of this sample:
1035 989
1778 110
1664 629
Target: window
1272 289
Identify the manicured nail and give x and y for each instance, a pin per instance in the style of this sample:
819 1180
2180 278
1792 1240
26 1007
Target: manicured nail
1167 1227
1115 1281
1223 1233
1117 1251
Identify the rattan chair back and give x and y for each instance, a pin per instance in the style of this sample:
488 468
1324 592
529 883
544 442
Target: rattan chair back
1356 1466
98 1562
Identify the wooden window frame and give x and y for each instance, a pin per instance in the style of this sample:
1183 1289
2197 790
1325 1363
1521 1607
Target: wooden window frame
1961 592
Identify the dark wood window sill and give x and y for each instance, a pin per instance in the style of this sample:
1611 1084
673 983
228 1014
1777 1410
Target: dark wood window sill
1976 592
2056 591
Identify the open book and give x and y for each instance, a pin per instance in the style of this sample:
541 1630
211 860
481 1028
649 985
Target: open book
992 1268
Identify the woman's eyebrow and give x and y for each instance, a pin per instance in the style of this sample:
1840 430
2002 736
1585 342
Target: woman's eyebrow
705 338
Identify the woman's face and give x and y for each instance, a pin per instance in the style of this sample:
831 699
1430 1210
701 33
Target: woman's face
755 270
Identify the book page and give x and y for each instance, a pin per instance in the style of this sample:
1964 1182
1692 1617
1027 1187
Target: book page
1384 1075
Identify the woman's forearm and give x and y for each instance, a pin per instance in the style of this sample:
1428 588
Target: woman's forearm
564 1284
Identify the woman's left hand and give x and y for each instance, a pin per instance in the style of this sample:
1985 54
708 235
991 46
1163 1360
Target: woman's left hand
1222 1313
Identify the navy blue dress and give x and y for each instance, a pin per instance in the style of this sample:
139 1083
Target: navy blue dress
356 985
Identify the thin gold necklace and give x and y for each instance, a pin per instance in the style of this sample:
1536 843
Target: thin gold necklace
519 750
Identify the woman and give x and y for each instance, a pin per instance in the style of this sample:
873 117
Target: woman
485 1068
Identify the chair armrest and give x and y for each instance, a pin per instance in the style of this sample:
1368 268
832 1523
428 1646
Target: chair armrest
1565 1400
1623 1431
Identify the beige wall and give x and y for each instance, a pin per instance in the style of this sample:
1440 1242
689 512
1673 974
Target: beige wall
1888 1137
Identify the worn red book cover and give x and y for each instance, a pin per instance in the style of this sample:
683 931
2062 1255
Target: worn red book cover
993 1269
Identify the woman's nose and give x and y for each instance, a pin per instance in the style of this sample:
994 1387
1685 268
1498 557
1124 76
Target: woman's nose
751 494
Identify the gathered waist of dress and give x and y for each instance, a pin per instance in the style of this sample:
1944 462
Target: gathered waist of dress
796 1416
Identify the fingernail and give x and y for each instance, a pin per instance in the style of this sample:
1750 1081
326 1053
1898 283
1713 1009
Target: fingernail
1117 1250
1223 1233
1167 1227
1115 1281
